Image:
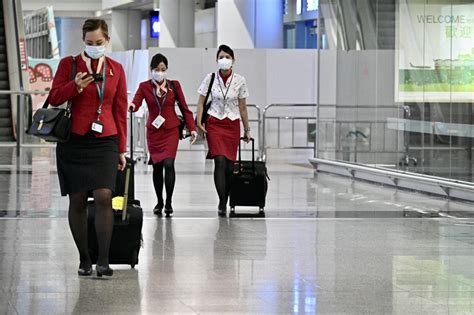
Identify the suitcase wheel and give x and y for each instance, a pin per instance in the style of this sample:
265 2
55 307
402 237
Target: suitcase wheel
232 209
261 210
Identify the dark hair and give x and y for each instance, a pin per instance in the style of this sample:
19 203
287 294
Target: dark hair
225 49
157 59
91 25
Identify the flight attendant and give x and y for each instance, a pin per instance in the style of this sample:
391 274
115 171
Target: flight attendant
222 127
162 126
89 160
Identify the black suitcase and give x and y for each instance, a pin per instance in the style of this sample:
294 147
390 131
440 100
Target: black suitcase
127 234
249 185
128 221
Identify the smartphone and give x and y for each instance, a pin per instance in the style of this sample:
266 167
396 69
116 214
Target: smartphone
97 77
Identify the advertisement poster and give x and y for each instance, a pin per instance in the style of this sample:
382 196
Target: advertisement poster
41 70
435 52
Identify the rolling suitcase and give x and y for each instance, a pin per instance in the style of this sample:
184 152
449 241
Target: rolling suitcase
128 221
249 185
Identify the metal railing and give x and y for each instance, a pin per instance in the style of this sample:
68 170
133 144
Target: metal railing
140 142
264 145
24 114
21 110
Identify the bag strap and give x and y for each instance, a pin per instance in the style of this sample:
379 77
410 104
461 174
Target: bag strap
176 99
213 76
73 76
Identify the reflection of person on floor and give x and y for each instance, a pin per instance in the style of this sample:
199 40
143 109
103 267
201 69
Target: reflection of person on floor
249 246
164 252
111 299
162 127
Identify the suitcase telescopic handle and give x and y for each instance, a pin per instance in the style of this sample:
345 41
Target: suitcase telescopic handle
253 152
125 193
131 135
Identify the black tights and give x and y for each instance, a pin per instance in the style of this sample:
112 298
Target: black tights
104 224
222 178
170 178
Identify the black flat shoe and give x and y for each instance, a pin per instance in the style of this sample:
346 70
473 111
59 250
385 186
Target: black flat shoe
168 211
158 209
104 271
84 271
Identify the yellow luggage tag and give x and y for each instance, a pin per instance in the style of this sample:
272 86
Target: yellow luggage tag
117 203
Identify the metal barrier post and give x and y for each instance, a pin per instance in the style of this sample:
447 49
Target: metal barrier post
259 126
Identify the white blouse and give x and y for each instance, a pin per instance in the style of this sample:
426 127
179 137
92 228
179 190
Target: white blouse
225 98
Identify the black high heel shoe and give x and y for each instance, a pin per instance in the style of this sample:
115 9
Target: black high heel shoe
104 271
158 209
168 211
84 271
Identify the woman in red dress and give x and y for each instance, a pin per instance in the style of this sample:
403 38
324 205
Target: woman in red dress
89 160
222 127
163 127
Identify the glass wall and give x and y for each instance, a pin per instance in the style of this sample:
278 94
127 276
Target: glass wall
397 85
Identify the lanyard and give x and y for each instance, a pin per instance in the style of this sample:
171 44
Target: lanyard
160 106
228 88
101 91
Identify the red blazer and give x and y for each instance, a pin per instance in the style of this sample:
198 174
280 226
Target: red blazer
85 104
145 91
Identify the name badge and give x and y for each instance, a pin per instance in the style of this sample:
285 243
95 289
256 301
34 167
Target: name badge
158 122
97 126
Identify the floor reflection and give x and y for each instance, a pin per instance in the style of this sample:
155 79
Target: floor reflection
327 246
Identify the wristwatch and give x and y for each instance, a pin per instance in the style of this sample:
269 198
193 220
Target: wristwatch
247 129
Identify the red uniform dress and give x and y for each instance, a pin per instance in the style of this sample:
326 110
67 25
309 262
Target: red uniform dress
223 136
88 161
223 122
163 142
85 104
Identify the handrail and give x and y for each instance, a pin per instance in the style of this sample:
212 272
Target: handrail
400 174
18 92
263 143
34 92
25 93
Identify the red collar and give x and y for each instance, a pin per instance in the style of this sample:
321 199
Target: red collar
225 78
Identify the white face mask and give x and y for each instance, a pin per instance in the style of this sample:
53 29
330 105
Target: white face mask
95 52
224 63
158 76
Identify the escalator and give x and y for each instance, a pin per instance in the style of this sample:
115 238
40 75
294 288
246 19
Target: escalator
6 127
385 11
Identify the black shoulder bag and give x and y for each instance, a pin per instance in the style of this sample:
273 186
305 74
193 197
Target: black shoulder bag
207 104
53 124
183 130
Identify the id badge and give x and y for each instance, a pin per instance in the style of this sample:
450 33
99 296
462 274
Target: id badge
158 122
97 126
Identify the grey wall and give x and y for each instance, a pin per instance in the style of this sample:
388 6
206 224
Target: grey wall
205 28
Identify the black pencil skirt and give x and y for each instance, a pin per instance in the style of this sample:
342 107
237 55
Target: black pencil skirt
86 163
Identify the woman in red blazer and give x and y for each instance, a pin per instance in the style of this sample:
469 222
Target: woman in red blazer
89 160
163 127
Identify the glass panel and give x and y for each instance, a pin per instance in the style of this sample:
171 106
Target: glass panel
397 85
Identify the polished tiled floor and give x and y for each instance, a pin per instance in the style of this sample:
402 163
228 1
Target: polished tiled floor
327 246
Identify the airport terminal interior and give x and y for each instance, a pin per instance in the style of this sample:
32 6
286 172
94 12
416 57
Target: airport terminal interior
360 110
